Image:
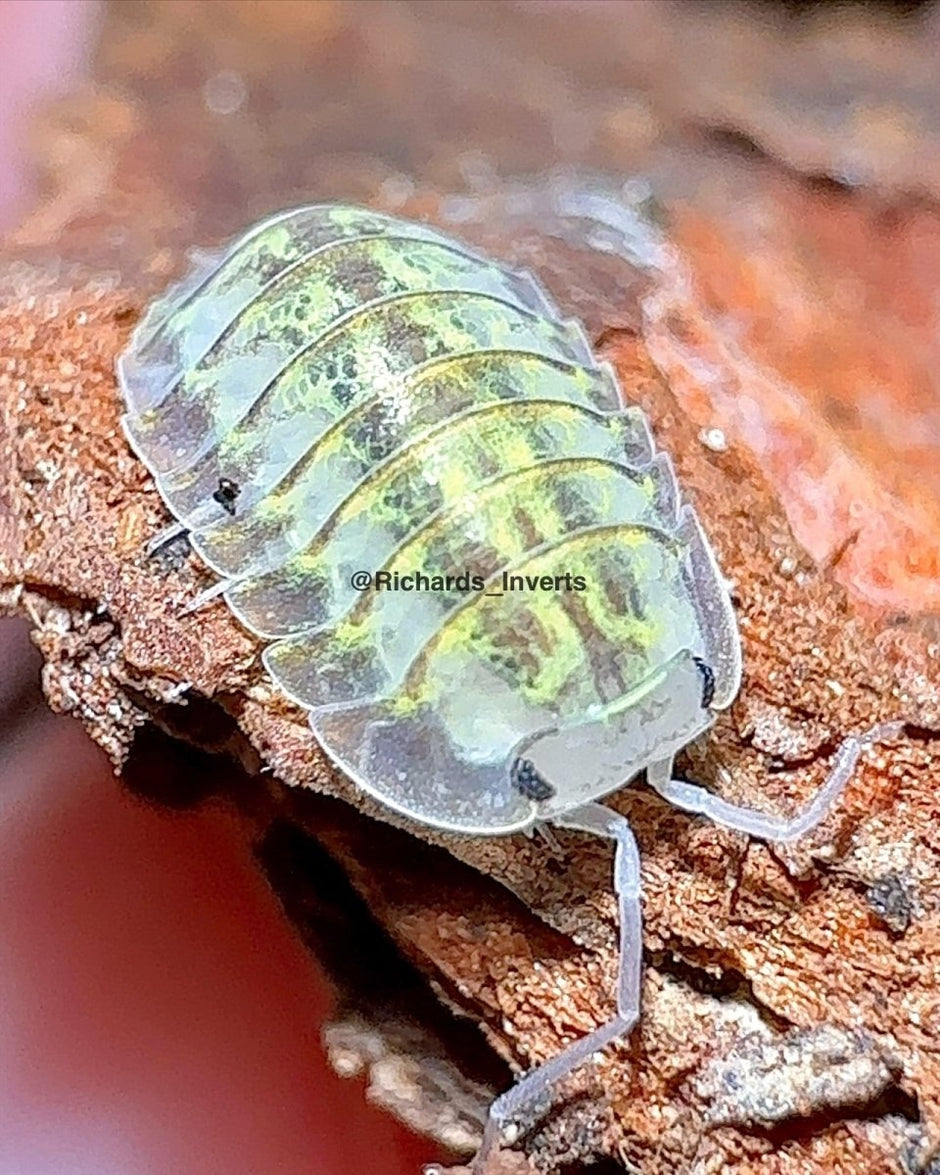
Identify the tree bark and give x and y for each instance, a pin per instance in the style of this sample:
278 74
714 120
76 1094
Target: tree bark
779 332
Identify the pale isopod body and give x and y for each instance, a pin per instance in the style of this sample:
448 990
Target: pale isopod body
384 398
340 392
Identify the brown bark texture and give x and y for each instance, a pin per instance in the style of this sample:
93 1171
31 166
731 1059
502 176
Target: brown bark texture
766 287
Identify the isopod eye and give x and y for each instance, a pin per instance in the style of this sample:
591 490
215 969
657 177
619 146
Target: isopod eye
226 494
527 781
708 681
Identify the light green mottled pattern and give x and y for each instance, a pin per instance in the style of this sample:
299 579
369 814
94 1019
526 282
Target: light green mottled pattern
270 528
440 472
180 326
212 395
371 353
366 654
527 655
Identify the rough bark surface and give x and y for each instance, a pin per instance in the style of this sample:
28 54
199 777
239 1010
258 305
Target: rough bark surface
791 1015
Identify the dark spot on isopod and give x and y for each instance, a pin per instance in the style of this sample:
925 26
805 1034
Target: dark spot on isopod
344 394
526 780
226 494
708 681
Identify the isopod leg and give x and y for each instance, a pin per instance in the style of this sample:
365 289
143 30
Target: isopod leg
174 531
692 798
206 596
517 1104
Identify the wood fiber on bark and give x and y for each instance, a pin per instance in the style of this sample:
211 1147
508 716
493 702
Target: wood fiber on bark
791 1015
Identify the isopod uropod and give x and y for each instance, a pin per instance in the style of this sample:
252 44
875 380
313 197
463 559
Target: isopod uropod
340 391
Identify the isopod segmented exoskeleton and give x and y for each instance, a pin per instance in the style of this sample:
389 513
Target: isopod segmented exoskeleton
340 391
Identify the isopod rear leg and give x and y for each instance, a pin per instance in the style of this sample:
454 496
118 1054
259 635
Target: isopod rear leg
692 798
162 538
206 596
174 531
511 1111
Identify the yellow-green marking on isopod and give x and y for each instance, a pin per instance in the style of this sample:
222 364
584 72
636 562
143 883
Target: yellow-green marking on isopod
438 472
368 653
397 413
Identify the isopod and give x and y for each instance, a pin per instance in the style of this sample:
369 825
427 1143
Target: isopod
340 392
